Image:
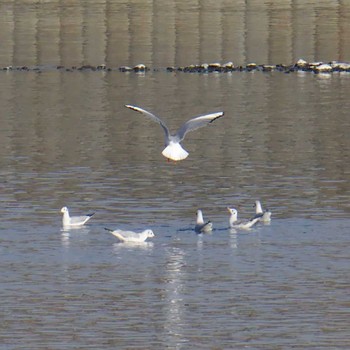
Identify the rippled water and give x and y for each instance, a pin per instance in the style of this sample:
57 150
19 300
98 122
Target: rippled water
66 139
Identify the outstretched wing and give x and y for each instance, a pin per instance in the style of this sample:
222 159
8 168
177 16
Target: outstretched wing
196 123
152 116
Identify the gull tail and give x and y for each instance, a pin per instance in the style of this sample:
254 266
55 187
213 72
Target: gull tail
208 226
204 228
174 151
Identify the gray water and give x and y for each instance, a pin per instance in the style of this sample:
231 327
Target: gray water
67 139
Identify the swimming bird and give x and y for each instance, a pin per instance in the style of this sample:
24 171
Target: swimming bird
130 236
173 149
263 215
234 223
201 226
74 220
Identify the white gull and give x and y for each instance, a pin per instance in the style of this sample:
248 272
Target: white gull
173 150
234 223
74 220
263 215
201 226
131 236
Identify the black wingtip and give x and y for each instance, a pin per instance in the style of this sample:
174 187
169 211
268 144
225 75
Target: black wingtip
108 229
90 214
256 216
219 116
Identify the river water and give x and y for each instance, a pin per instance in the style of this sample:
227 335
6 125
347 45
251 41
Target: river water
66 139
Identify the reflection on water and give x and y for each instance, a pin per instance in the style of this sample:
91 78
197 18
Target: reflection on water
76 232
132 245
173 34
283 139
234 232
174 327
80 230
65 236
200 242
233 239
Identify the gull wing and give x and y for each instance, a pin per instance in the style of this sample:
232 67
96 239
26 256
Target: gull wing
80 220
116 233
197 122
128 234
125 236
206 227
259 216
152 116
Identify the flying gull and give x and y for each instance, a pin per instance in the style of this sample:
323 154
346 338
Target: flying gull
173 150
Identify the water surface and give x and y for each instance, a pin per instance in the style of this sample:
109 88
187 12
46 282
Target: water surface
67 139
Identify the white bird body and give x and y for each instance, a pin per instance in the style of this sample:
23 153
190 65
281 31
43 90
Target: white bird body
201 226
131 236
68 220
263 215
235 223
173 150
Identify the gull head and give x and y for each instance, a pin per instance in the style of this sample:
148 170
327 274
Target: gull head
149 233
233 212
64 210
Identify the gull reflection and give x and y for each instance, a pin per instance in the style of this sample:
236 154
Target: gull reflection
132 245
233 238
65 239
66 234
200 242
174 303
83 230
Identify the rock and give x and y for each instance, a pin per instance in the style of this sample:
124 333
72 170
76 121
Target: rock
125 69
140 68
323 68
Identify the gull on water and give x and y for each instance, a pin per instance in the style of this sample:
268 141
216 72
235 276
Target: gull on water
234 223
263 215
173 149
130 236
74 220
201 226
